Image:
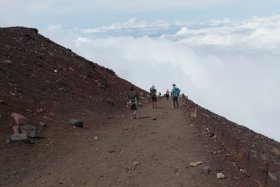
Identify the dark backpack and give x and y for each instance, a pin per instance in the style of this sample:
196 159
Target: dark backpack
153 92
132 98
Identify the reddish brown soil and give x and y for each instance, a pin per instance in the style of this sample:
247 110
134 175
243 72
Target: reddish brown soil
164 148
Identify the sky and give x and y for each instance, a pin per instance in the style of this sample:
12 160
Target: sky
223 54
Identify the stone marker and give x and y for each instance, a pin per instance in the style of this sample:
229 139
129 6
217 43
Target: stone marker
76 123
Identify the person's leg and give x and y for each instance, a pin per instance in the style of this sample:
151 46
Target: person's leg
134 114
154 101
173 102
134 110
177 104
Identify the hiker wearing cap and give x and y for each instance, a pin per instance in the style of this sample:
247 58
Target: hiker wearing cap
153 94
175 92
132 101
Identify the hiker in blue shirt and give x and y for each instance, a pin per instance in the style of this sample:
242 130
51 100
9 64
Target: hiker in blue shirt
175 92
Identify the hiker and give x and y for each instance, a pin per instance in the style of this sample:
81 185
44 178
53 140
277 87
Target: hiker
132 101
167 94
153 94
175 92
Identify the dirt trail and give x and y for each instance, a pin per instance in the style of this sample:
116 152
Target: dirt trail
141 152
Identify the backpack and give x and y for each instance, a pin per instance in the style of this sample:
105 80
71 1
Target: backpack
177 92
153 92
132 98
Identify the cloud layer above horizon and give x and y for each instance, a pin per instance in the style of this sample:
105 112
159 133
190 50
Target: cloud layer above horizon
230 67
88 13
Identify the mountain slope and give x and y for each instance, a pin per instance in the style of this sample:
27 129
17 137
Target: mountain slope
38 77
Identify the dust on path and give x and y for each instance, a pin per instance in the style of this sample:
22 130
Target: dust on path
142 152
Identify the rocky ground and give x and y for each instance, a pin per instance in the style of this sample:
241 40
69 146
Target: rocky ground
154 150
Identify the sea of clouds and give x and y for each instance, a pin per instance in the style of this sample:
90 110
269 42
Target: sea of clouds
230 67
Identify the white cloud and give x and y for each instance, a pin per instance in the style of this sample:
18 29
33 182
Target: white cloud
54 28
230 67
132 23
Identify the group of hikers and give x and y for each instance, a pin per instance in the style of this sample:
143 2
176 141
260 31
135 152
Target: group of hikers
133 98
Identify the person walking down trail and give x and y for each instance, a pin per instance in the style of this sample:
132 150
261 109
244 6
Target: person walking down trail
153 94
167 94
132 101
175 94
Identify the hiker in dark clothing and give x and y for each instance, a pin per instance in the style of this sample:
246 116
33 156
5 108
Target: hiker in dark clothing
153 94
167 94
175 92
132 101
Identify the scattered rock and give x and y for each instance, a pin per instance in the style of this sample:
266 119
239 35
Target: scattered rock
76 123
40 110
20 119
243 171
220 176
42 124
194 164
135 164
29 130
154 118
206 170
7 62
95 137
18 137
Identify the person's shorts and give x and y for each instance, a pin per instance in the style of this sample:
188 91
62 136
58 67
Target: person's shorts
154 98
133 107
